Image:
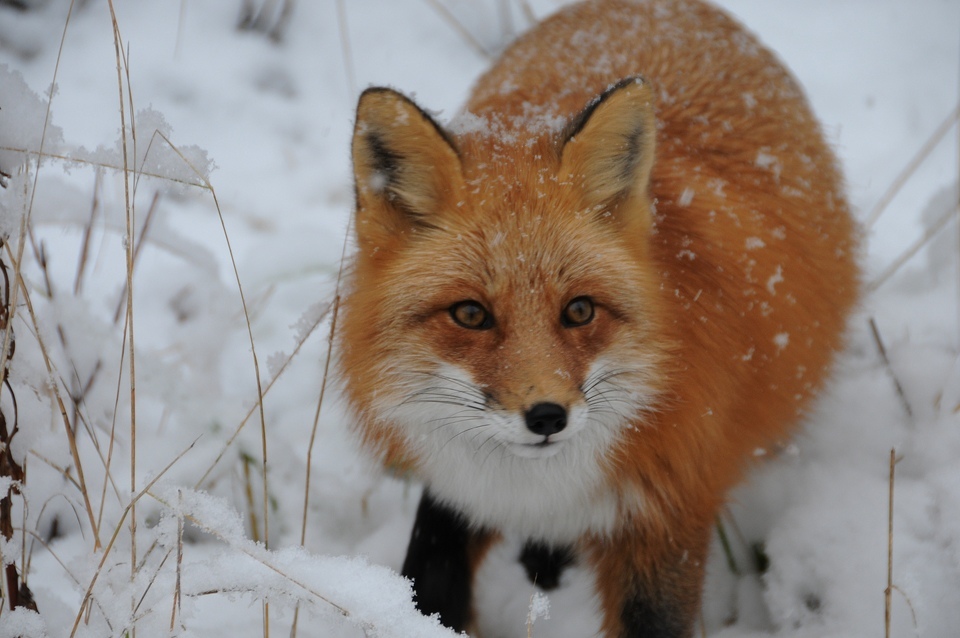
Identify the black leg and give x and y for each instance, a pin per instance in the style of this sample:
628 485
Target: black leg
648 587
644 616
438 563
544 564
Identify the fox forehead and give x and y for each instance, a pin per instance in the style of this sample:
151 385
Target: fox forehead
532 256
518 225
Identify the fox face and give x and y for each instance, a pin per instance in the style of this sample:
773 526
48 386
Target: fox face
502 308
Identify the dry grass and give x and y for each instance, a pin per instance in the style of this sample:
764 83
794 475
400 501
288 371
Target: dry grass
14 584
882 351
891 587
447 16
888 591
910 169
105 533
71 418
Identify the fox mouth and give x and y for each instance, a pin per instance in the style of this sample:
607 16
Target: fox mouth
538 450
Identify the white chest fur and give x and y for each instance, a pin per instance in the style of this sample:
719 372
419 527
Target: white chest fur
486 464
503 595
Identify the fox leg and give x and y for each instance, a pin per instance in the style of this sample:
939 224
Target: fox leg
649 589
441 559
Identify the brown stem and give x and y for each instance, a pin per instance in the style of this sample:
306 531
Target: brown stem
18 594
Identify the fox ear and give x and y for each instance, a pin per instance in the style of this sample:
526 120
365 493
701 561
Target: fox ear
405 165
607 150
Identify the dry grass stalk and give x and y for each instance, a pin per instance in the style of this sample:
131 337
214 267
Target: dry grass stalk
323 389
129 202
131 178
11 299
347 50
283 367
912 166
87 232
76 388
464 33
121 303
12 304
42 155
246 462
530 617
255 556
507 29
928 234
203 182
16 592
136 615
88 595
886 364
889 590
36 538
528 12
55 387
727 547
253 351
176 590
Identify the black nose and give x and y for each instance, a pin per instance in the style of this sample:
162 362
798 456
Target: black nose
546 418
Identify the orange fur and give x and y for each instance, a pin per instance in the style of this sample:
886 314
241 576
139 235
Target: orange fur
719 248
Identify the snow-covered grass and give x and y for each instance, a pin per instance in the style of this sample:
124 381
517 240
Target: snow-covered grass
145 422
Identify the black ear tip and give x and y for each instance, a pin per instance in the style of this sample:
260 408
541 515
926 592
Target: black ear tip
625 82
576 125
630 82
383 96
376 89
379 91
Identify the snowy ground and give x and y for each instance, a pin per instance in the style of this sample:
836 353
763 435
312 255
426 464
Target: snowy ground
275 119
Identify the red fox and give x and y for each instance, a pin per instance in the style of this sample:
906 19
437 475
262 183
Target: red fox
576 310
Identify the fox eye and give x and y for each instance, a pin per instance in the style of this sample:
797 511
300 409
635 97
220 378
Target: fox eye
578 312
470 314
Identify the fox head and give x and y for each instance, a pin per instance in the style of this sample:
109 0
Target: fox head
501 332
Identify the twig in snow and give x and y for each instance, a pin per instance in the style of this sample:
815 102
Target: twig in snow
889 590
886 364
177 590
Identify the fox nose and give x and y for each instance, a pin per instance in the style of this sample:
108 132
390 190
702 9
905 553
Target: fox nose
546 418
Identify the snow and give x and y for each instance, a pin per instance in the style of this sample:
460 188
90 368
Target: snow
240 145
